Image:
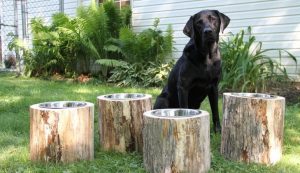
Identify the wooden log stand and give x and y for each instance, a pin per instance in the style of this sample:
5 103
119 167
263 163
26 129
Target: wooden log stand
62 131
121 121
252 127
176 140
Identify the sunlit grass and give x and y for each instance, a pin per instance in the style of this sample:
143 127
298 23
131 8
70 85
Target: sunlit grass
17 94
10 99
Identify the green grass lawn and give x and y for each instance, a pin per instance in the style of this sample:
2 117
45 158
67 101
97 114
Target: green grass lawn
17 94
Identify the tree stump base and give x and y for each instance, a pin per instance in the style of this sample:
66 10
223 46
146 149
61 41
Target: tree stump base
62 131
176 140
252 127
121 121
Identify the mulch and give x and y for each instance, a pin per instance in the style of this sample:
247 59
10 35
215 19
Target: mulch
291 92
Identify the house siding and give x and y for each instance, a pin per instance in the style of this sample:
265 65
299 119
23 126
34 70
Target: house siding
276 23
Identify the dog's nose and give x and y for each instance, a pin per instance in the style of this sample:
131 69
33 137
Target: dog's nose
207 30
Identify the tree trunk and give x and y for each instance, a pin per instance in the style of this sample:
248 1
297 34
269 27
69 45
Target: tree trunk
121 121
176 140
252 127
62 131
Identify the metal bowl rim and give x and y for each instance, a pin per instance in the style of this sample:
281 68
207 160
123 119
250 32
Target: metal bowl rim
139 96
199 113
79 104
253 95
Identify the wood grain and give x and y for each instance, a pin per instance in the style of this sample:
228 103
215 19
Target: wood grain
252 128
173 145
62 135
121 122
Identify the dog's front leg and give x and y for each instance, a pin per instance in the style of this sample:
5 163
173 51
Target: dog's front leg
182 96
213 100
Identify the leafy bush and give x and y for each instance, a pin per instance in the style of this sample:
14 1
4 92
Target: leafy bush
150 74
126 14
54 46
114 18
145 54
102 35
70 45
151 45
245 67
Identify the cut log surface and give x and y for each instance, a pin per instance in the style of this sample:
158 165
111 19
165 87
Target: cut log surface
176 143
252 127
121 121
62 132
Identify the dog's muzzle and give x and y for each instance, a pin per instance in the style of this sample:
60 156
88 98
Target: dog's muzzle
208 35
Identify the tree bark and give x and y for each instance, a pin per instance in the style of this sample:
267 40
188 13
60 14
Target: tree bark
64 134
252 127
176 144
121 121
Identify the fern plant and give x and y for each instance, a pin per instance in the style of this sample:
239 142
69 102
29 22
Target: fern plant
149 45
246 67
126 14
94 22
46 55
114 18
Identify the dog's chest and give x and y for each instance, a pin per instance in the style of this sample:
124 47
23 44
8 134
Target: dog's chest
208 72
212 67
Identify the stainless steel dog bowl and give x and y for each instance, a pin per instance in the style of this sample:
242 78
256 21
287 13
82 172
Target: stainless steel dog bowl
62 104
175 112
254 95
122 96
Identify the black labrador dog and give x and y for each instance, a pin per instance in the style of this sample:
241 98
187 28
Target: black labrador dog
197 72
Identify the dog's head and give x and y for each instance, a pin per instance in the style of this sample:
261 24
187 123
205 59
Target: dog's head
204 27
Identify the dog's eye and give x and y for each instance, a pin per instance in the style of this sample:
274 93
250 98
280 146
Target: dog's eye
199 21
212 18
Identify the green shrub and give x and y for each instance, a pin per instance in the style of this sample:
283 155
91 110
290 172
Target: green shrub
99 34
150 74
126 14
245 67
114 18
53 46
151 45
69 45
145 54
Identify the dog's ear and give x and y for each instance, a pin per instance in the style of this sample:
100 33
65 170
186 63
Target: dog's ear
188 29
224 20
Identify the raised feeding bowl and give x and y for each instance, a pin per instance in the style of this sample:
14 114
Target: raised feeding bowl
62 131
252 127
175 113
176 140
125 96
62 105
121 120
